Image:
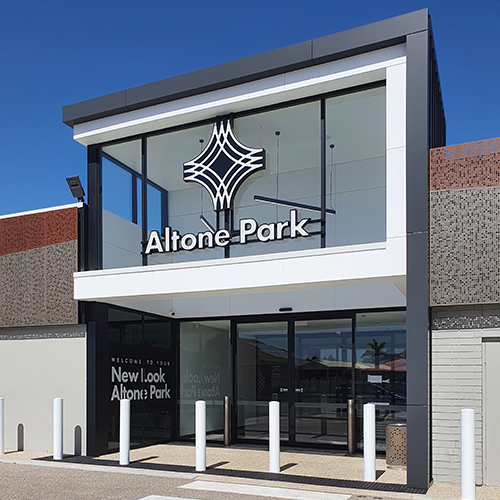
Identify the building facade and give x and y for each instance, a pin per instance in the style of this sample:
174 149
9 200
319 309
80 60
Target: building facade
274 228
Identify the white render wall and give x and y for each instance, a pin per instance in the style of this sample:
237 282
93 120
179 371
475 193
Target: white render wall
38 364
457 383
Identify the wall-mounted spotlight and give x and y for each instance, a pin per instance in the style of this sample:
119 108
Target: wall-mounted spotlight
76 187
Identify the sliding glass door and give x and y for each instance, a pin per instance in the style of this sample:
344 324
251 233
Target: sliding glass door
262 361
323 380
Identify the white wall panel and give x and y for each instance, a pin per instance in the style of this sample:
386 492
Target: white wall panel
35 368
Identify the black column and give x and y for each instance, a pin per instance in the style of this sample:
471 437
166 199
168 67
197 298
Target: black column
417 284
97 375
94 191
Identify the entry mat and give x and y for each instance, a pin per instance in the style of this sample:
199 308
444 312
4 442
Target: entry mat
264 476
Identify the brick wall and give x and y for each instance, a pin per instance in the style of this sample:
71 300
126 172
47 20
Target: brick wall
457 382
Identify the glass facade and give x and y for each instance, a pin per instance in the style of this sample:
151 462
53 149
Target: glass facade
328 153
205 373
325 159
312 364
140 356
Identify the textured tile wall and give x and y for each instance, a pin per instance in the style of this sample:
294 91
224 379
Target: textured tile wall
470 165
465 246
38 230
36 286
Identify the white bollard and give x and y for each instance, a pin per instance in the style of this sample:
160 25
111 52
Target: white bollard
274 436
124 431
201 435
58 429
369 441
467 455
2 428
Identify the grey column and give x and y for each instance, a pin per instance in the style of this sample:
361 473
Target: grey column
417 315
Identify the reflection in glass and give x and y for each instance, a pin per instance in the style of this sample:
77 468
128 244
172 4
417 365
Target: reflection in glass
291 139
204 374
381 367
140 364
121 198
262 377
323 375
187 202
356 167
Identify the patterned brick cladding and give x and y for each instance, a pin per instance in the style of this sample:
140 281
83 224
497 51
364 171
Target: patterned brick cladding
38 256
27 232
465 246
471 165
36 286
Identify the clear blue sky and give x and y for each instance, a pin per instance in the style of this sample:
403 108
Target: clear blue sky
57 52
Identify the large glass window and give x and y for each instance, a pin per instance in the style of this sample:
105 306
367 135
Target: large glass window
204 374
381 368
356 167
323 380
141 369
291 139
121 205
355 183
262 377
189 205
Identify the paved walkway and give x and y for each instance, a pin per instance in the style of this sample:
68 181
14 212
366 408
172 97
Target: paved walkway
243 470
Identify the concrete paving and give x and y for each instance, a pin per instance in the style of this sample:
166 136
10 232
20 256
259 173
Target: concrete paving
167 470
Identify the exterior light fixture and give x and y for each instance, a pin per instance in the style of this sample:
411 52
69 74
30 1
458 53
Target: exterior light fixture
76 187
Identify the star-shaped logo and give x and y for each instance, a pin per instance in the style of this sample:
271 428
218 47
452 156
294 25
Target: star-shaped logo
223 165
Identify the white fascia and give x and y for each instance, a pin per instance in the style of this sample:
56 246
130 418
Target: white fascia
318 268
42 210
318 79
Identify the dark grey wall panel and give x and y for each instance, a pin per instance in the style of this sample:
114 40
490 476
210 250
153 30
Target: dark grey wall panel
98 107
329 48
370 37
417 282
417 320
221 76
417 463
417 132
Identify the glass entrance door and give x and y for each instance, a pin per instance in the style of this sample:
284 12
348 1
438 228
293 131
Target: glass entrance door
323 380
263 369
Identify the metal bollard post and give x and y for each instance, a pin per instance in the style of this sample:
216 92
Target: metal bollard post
323 420
351 427
369 441
201 435
2 427
58 429
124 431
274 436
227 421
467 455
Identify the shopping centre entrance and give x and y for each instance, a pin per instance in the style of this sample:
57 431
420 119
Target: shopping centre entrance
311 365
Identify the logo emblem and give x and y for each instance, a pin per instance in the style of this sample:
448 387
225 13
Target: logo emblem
223 165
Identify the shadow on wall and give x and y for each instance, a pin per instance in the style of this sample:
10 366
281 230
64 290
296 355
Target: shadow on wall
78 441
20 437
